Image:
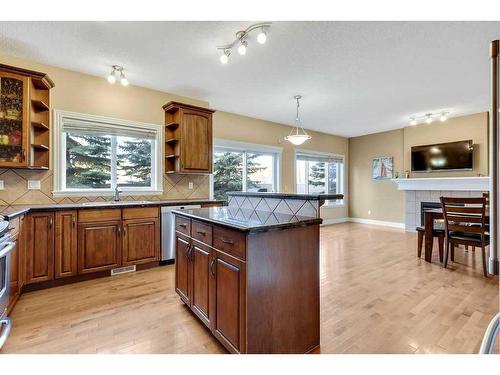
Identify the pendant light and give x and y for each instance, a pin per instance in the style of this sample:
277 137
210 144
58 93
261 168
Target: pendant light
298 135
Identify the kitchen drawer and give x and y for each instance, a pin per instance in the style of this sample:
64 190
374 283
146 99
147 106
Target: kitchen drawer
183 225
230 241
94 216
201 232
140 213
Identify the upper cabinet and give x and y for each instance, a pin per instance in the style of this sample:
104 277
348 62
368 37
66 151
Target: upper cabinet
188 138
24 118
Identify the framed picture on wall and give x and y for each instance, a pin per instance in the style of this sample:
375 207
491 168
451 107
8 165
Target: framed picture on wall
382 168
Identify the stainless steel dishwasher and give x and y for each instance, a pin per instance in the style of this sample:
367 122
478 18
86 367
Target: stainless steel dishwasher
168 231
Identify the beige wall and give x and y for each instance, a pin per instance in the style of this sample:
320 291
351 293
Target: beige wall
94 95
246 129
380 200
375 199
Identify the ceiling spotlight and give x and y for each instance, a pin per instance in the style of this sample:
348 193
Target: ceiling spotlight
262 37
242 49
443 117
112 76
413 121
428 119
225 57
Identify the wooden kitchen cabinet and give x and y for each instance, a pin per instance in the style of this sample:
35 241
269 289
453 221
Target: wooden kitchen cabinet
228 301
183 268
24 118
188 138
141 241
203 268
40 254
66 246
99 246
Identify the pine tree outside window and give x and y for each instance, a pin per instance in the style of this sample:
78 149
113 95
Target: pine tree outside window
318 173
94 155
248 167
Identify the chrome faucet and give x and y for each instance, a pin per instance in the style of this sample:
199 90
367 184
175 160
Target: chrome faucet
117 194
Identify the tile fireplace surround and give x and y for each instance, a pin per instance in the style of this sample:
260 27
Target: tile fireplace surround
418 190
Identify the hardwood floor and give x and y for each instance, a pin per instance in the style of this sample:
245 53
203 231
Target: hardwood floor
376 297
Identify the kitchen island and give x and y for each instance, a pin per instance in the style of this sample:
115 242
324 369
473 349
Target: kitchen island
251 276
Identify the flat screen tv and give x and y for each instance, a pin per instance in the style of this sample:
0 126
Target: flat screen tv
450 156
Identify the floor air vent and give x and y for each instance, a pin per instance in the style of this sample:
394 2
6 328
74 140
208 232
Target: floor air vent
119 271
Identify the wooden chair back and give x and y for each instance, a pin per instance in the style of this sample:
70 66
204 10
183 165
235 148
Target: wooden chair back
466 215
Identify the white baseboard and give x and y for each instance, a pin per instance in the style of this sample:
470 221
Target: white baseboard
363 221
377 222
335 221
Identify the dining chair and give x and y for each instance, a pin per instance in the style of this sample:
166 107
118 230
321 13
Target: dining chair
439 233
465 224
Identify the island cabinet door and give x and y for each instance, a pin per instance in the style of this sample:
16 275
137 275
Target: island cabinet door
99 246
141 241
203 265
66 246
183 268
228 302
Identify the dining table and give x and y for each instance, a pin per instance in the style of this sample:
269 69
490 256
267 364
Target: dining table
429 218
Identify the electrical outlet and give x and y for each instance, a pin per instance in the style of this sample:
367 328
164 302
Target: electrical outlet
1 185
190 185
33 184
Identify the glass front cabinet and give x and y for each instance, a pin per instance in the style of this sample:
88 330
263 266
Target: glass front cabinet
24 118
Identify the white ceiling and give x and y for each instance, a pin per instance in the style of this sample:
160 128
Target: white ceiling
356 77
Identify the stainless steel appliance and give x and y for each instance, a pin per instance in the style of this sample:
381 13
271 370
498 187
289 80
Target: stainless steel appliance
168 231
6 246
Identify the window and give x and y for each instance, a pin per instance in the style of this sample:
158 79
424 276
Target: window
97 154
320 173
239 167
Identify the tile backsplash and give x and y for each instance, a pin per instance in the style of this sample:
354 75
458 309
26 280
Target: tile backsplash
16 191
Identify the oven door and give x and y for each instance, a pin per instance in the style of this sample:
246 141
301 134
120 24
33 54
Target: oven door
5 249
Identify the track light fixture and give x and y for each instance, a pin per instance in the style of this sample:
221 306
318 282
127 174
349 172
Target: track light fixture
241 41
428 118
117 72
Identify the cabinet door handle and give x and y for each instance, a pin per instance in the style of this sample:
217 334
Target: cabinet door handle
74 221
202 232
212 269
229 242
119 230
124 231
183 226
188 252
50 223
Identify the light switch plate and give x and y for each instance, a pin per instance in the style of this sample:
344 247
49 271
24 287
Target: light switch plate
33 184
1 185
190 185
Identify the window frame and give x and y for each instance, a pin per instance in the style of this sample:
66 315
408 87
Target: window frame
340 176
59 159
251 148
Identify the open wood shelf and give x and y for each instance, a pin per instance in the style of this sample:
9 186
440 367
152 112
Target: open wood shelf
40 125
39 105
41 84
171 156
172 125
172 140
40 147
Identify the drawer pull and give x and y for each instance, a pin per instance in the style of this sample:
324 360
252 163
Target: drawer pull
183 226
229 242
202 232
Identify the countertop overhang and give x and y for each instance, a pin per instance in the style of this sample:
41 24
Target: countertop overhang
248 220
12 211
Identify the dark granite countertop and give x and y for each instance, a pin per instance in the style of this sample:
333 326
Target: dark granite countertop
248 220
12 211
321 197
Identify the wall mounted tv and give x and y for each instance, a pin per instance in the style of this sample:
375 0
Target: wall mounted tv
452 156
